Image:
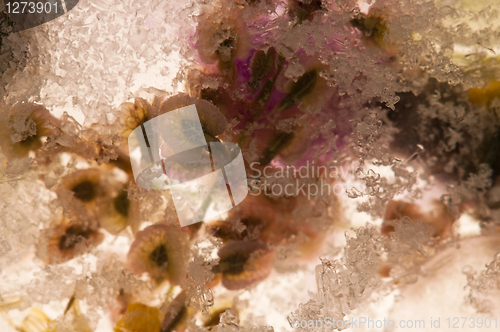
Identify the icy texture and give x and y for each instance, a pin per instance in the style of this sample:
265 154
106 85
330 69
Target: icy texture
440 291
407 91
481 284
200 273
85 51
360 275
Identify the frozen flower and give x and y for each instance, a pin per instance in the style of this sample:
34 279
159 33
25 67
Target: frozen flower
135 114
162 251
85 185
247 228
438 218
22 130
139 318
255 218
118 211
275 103
131 116
222 37
290 147
99 197
305 85
264 65
68 240
244 263
289 123
374 27
275 221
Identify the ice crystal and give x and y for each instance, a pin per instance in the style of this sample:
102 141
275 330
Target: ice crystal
480 283
343 284
200 274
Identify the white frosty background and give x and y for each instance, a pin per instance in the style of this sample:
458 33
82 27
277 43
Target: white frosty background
101 52
94 58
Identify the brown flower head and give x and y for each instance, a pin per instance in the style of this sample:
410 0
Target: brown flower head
135 114
23 129
118 211
243 263
257 217
438 218
222 36
68 240
132 115
375 27
309 88
85 185
160 250
279 221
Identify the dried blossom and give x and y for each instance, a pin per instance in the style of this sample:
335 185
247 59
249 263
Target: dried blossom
118 211
135 114
222 37
438 217
243 263
279 221
24 127
85 185
68 240
374 27
160 250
